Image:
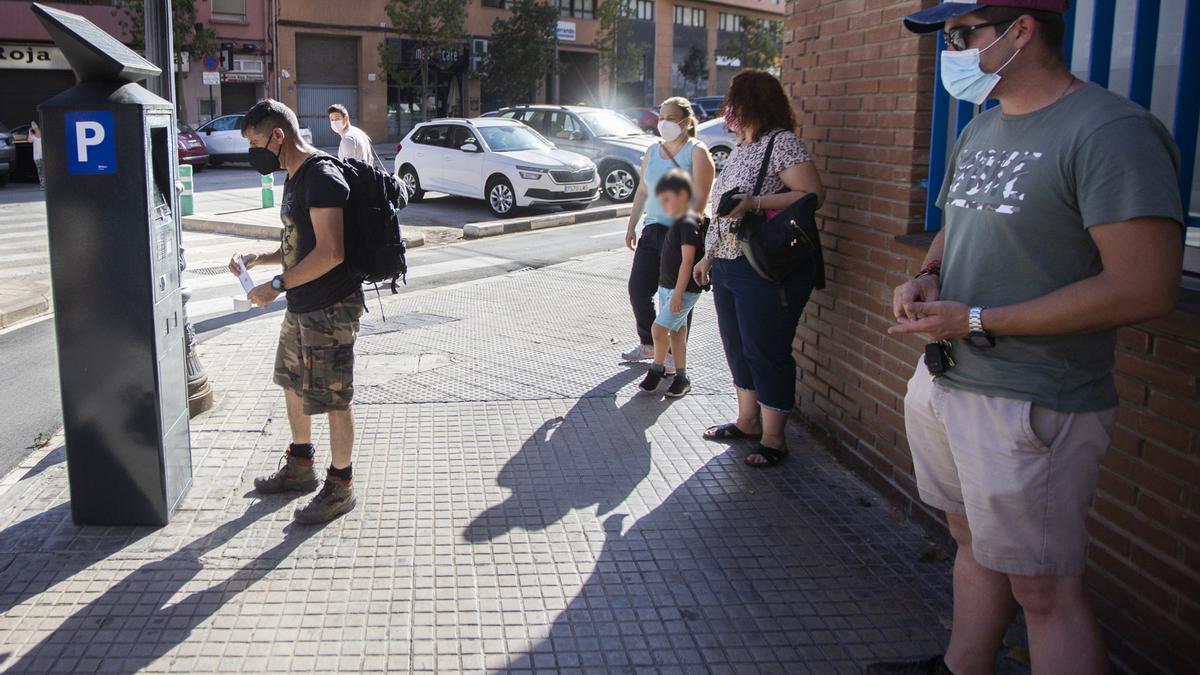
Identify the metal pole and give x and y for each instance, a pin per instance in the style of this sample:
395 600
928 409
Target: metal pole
160 50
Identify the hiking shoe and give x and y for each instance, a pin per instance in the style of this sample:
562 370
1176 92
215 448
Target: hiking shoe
640 352
294 475
669 364
933 665
335 498
653 378
680 386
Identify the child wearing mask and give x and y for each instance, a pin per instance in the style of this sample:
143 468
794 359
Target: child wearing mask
677 290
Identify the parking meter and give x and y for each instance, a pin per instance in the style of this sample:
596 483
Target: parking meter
109 157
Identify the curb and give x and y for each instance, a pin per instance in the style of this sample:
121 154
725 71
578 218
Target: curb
255 231
498 227
20 310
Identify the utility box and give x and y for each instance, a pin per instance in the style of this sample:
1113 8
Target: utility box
110 163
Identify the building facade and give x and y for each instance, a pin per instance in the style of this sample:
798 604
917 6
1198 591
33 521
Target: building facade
32 69
878 126
237 74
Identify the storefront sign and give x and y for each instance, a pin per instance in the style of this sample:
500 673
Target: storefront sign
32 57
728 62
566 31
232 76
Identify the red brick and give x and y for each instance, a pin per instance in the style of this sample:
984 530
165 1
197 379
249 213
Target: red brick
1169 379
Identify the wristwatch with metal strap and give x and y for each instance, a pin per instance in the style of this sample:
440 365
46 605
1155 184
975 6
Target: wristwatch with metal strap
978 336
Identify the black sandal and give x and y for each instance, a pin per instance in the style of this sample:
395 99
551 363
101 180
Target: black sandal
728 432
772 455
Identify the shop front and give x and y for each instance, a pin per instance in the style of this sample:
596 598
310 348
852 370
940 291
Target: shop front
29 74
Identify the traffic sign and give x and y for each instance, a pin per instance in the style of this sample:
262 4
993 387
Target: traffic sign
210 77
91 147
211 62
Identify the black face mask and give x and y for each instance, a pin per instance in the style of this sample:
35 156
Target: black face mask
263 160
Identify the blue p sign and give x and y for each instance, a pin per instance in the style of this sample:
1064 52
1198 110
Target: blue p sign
91 147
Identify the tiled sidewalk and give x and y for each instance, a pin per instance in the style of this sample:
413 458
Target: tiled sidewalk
520 507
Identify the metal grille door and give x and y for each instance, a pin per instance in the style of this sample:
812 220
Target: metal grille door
314 99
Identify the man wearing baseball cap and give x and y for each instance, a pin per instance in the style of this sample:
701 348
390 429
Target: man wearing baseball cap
1062 223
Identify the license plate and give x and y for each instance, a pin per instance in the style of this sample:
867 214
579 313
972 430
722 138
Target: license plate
583 187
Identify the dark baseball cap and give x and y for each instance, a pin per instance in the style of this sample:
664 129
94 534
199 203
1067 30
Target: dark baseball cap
929 20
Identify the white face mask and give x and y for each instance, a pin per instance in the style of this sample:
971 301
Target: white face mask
964 79
669 130
338 127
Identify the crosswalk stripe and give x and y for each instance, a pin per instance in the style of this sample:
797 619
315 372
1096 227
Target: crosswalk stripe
25 270
30 256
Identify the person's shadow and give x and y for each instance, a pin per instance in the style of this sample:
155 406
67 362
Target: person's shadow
160 628
595 455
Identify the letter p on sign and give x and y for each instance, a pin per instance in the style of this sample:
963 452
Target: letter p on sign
91 144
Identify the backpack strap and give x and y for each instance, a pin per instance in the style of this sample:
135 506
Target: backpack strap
766 162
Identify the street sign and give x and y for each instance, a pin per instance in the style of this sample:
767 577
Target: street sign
566 31
91 147
211 62
210 77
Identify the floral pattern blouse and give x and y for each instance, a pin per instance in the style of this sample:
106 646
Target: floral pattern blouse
741 172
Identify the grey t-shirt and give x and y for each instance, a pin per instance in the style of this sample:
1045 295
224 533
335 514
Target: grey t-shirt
1019 197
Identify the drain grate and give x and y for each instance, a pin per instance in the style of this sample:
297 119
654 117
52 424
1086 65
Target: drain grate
209 271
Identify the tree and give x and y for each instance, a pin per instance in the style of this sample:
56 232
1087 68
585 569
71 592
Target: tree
620 57
433 26
758 46
189 36
521 51
694 68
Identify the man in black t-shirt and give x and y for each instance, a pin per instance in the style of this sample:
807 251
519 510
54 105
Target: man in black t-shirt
314 362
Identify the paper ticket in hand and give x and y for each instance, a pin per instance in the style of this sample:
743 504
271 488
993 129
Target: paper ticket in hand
244 276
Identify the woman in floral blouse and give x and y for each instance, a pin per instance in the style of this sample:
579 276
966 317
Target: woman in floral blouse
758 318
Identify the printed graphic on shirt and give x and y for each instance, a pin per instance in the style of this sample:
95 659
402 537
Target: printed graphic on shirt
987 180
289 237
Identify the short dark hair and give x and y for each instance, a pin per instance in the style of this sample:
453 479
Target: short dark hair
757 99
269 114
340 109
675 180
1052 26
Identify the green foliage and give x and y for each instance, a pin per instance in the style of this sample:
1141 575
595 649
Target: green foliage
694 68
759 46
521 51
614 38
434 26
131 17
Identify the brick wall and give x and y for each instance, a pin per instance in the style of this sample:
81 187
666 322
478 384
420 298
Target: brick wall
863 87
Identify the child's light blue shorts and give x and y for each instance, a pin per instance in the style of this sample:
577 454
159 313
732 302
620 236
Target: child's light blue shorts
668 319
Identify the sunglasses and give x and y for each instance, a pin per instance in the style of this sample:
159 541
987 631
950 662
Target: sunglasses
956 38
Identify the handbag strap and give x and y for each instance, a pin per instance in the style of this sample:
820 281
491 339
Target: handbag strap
671 156
766 162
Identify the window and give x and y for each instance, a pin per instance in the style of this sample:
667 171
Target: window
498 4
229 123
730 23
690 16
561 125
645 10
512 138
460 136
433 135
578 9
229 9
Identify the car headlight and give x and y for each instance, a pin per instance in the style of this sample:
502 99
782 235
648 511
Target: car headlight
530 172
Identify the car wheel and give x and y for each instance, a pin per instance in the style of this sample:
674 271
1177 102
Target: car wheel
408 175
719 155
619 183
501 199
213 161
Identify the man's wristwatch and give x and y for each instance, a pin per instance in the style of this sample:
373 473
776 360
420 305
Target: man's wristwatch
277 283
978 336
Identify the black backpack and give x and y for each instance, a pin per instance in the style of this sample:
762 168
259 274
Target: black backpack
375 250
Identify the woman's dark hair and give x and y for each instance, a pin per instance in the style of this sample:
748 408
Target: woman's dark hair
675 180
758 101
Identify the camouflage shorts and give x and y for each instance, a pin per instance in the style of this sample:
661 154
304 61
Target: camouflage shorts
315 358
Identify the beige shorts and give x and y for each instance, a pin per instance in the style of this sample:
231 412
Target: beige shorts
1022 474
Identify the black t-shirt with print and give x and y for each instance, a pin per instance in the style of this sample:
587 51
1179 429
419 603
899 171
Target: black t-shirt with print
685 232
318 184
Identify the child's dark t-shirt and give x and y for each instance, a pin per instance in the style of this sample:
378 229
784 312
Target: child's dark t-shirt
685 232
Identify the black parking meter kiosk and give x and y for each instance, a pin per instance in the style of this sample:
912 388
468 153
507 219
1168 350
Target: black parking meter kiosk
114 261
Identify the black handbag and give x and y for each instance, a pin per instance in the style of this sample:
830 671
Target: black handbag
788 244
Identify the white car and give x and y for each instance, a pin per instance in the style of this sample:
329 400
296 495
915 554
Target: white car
719 139
501 161
223 136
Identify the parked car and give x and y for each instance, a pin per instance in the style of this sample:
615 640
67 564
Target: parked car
499 160
719 139
192 150
225 142
608 138
23 167
645 118
707 107
8 155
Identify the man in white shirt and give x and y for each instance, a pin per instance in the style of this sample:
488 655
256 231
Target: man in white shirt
355 142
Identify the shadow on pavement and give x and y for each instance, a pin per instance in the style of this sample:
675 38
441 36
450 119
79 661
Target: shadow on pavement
739 571
594 455
137 605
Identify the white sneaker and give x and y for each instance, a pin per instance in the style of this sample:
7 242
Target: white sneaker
669 364
640 352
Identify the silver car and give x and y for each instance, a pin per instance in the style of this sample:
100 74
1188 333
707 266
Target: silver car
611 140
719 139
